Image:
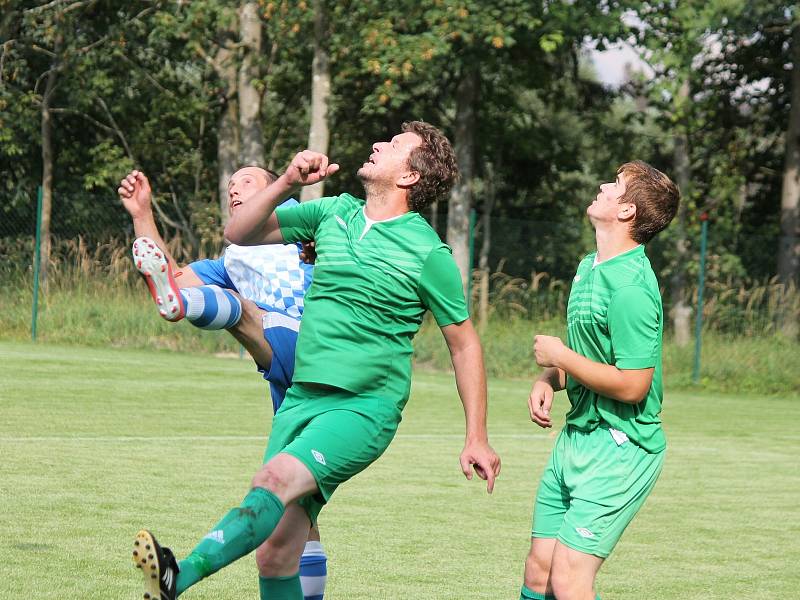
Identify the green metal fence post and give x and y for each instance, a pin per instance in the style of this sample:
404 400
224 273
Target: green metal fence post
36 262
698 327
472 218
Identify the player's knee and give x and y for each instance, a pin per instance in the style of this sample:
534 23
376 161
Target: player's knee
564 583
280 477
251 312
275 559
271 478
537 572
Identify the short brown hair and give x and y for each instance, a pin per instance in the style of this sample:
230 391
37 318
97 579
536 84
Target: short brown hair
655 196
435 162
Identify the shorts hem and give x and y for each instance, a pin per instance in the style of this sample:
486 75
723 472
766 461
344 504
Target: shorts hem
573 546
307 464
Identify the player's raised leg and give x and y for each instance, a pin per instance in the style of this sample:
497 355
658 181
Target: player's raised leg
276 485
251 333
206 306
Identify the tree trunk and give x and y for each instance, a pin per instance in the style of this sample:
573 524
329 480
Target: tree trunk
47 176
228 134
461 198
681 312
318 133
486 245
789 248
250 93
789 243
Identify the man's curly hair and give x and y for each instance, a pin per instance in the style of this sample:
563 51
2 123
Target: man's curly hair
435 162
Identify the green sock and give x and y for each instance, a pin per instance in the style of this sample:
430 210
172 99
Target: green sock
529 594
240 532
280 588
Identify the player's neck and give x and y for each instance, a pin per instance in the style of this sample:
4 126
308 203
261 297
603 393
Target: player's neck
612 242
385 204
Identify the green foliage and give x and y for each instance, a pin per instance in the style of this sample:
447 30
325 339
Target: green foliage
136 87
734 57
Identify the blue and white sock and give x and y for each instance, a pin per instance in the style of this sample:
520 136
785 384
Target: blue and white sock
211 307
313 571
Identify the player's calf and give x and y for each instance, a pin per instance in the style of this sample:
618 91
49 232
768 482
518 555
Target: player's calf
211 307
206 306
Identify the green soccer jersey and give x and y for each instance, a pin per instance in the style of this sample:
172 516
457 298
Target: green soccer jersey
615 317
373 282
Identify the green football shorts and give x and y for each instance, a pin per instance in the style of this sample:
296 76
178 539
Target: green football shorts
592 488
333 432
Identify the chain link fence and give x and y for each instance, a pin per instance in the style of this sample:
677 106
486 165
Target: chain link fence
527 267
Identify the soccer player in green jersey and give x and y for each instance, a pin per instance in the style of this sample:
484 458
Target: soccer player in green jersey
608 456
379 268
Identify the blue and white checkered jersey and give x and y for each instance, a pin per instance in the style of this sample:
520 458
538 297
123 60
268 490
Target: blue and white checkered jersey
272 276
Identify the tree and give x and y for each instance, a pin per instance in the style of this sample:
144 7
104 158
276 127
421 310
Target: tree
319 131
789 245
251 151
46 52
461 199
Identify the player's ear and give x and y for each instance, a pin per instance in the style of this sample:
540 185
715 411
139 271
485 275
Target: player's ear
626 211
408 179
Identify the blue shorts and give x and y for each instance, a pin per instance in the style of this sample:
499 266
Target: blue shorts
280 332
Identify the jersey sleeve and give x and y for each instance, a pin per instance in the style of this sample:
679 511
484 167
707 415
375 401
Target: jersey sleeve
212 272
440 288
299 222
634 317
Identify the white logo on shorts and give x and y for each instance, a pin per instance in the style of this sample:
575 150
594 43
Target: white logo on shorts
318 456
583 532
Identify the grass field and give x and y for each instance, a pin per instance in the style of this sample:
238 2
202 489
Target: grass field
96 443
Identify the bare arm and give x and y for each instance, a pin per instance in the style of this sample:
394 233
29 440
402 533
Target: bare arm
136 196
540 399
254 222
467 357
624 385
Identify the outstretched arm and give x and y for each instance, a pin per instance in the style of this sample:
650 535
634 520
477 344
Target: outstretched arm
467 357
135 193
254 222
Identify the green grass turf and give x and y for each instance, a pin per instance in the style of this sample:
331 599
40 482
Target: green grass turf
96 443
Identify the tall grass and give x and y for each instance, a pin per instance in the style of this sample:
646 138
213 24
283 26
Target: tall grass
743 308
95 297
